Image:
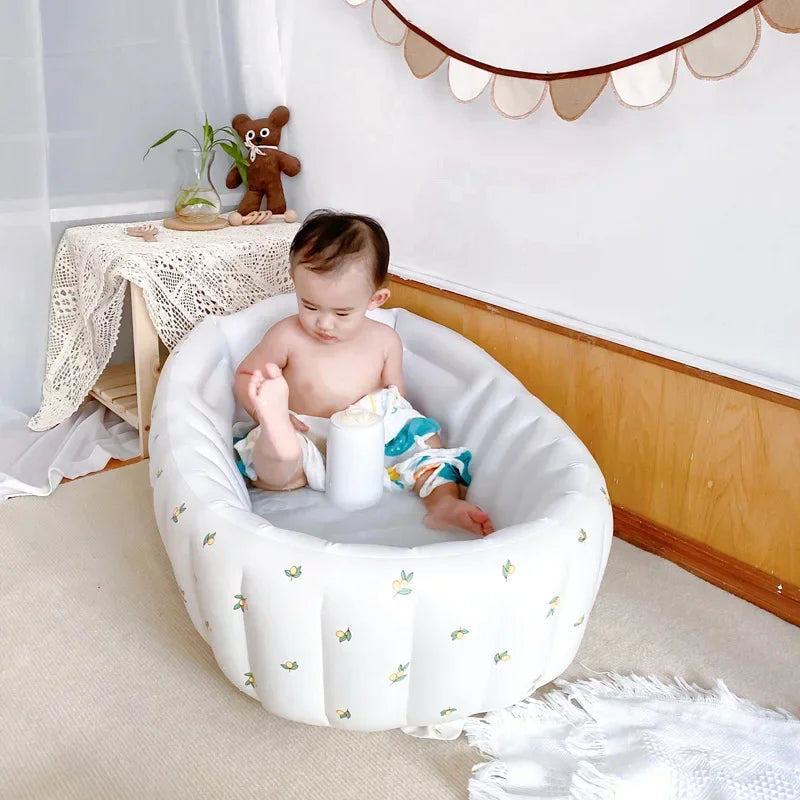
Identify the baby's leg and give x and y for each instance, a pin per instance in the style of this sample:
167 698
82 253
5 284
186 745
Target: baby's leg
446 508
277 455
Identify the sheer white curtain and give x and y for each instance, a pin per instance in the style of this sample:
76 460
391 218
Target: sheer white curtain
86 87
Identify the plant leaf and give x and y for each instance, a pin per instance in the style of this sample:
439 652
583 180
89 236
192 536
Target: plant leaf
404 591
409 576
163 139
196 201
230 149
208 134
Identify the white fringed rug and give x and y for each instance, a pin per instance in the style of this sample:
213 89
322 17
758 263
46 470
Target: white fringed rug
636 738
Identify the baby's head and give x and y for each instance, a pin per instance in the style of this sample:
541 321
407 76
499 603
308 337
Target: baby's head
339 264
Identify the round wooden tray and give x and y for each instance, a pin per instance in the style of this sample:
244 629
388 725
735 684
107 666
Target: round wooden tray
177 224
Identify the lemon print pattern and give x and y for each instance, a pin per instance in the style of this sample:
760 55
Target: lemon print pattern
241 603
401 586
459 634
400 675
581 535
209 539
553 605
577 622
504 656
251 681
344 636
159 472
293 572
446 712
508 569
343 713
290 666
177 511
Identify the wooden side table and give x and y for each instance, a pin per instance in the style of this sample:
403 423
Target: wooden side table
176 279
128 389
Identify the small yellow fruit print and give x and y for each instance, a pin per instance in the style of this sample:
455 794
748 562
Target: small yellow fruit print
508 569
577 622
553 605
159 472
446 712
344 636
241 603
209 539
208 626
504 656
251 681
343 713
290 665
293 572
401 586
177 511
582 535
459 634
398 676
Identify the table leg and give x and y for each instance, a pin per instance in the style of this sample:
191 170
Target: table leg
146 358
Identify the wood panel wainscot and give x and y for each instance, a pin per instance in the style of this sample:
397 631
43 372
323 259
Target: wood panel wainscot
702 469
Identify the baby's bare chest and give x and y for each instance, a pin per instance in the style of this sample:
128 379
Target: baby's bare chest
325 380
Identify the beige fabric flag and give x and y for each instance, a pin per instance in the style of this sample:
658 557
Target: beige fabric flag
648 83
422 57
725 50
387 25
572 96
783 15
517 97
466 81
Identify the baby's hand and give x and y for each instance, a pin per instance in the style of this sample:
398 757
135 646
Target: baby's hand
298 424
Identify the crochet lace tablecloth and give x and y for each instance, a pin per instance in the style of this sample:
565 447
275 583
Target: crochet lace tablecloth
184 276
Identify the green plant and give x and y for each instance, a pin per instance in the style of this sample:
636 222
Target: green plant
225 138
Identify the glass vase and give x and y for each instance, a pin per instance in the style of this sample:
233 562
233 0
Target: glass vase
197 200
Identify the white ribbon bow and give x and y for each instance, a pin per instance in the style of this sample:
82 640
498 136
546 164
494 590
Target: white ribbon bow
256 150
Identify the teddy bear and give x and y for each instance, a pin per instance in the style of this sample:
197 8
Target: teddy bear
261 137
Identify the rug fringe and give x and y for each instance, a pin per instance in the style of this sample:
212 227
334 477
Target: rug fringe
626 686
590 784
553 708
486 781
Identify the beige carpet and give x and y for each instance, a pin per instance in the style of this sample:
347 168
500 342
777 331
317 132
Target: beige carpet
106 691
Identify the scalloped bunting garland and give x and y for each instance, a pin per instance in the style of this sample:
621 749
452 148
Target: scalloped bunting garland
638 83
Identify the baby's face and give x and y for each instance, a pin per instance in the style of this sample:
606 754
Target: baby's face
332 305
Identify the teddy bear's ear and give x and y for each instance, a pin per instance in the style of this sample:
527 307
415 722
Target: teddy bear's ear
241 122
279 116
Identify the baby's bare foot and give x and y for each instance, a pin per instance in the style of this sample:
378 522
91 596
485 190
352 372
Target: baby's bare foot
269 394
452 512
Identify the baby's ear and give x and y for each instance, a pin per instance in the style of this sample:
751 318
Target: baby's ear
379 298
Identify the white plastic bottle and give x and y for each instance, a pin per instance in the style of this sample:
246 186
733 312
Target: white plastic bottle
354 464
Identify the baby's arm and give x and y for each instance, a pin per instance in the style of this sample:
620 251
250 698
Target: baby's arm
272 349
392 374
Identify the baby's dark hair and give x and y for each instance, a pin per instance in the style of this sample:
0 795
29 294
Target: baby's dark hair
327 240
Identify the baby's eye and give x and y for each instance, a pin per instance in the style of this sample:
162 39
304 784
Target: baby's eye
309 308
342 313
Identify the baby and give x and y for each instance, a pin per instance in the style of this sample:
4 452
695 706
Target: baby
330 356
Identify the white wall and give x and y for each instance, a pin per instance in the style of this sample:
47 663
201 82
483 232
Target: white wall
672 229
